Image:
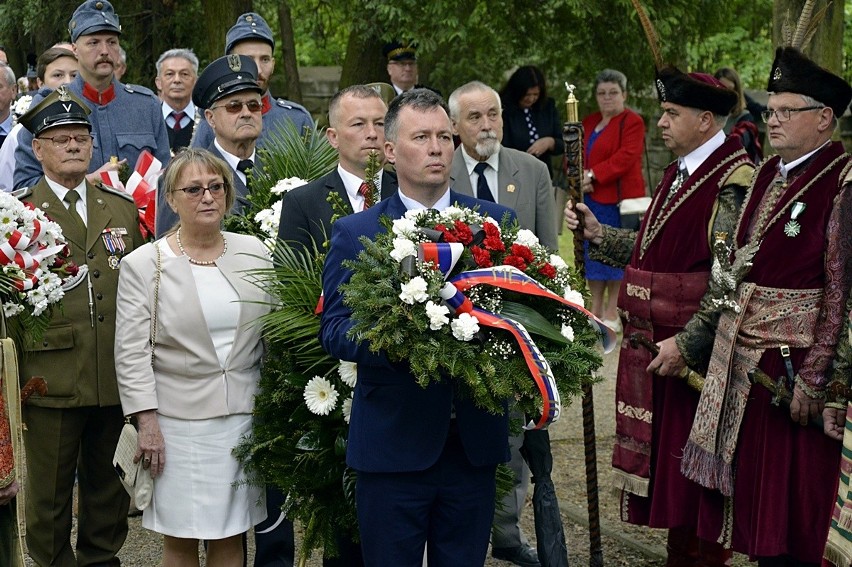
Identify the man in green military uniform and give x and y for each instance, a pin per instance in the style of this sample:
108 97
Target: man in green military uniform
75 427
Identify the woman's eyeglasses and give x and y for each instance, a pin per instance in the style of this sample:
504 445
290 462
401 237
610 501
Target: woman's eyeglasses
196 191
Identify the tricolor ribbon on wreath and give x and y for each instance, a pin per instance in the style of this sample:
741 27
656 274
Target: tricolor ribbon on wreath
23 251
444 257
141 185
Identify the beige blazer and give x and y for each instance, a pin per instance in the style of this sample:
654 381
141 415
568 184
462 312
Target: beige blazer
186 380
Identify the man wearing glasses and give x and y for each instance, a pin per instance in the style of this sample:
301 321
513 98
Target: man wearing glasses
73 429
126 119
790 313
229 92
251 36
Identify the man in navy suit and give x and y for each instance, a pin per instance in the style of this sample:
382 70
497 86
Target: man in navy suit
356 118
425 458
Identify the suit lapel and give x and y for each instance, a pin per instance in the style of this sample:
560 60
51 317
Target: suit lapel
389 185
507 180
335 184
460 177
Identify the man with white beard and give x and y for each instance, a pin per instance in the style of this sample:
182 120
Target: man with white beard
520 181
508 177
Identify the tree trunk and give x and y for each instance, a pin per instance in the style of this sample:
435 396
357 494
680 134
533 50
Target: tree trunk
364 61
826 47
219 16
292 87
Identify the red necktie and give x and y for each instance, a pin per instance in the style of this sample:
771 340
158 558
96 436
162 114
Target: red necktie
178 116
364 191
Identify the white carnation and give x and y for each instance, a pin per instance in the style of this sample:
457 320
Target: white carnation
348 372
320 396
465 327
438 314
568 332
402 248
574 296
288 184
492 221
22 105
453 213
414 291
557 262
526 238
404 227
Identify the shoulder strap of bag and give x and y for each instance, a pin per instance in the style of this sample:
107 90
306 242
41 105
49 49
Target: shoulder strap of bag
156 301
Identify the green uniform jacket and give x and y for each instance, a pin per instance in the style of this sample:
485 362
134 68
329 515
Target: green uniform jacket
75 356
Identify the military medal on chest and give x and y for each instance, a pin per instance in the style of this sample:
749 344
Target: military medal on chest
114 243
793 228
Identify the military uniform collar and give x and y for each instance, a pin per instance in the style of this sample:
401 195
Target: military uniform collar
99 98
266 100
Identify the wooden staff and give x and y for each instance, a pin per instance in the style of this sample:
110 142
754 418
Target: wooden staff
572 133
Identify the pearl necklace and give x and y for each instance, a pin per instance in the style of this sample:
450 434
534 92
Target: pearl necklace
200 262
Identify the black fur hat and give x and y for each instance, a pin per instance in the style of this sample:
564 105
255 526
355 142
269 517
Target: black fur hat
696 90
794 72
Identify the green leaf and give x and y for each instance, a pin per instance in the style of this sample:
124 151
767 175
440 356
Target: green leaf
533 321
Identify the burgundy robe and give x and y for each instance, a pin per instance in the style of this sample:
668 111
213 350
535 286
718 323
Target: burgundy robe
673 245
785 474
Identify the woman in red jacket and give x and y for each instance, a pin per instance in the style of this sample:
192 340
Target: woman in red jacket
615 140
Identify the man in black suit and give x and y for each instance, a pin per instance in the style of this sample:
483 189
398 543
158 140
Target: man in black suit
177 73
356 117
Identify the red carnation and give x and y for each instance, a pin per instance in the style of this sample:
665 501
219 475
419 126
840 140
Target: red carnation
492 238
516 261
547 271
522 251
463 232
481 257
448 236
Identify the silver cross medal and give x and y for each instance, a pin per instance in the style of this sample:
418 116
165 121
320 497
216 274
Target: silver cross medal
793 228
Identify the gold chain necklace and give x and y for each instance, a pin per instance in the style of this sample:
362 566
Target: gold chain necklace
200 262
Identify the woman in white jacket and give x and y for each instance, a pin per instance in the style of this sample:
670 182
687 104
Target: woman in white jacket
193 396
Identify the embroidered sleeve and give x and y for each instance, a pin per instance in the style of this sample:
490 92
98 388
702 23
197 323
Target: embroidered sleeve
838 277
616 247
695 342
841 375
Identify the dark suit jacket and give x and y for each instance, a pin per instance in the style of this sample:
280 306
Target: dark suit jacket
524 186
516 133
306 213
395 425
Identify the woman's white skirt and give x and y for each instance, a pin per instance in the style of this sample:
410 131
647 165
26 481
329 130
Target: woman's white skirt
203 493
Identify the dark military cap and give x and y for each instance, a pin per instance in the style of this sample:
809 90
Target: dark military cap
248 26
225 76
93 16
793 72
59 108
695 90
396 51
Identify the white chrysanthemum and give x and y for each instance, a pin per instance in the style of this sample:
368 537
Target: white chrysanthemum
12 309
268 219
404 227
574 296
288 184
348 372
414 291
320 396
402 248
22 105
465 327
347 409
568 332
526 237
557 262
438 314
